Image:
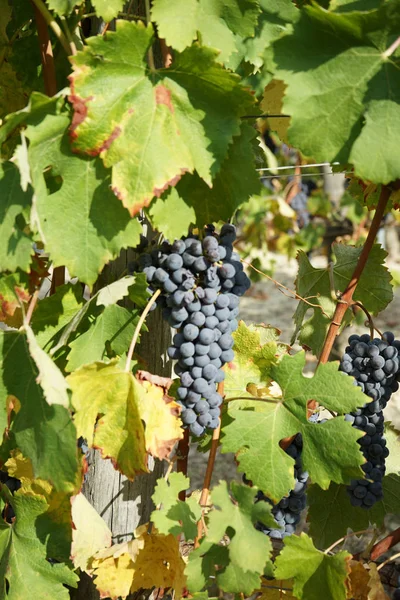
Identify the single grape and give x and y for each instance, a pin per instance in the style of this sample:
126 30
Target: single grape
188 349
197 318
226 341
196 429
199 385
209 372
227 356
188 416
206 336
202 360
201 407
190 332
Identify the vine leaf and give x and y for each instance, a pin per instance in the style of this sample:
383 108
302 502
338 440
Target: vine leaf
105 400
148 560
107 9
277 590
12 293
354 69
232 186
175 516
90 532
15 245
172 203
374 290
24 566
257 427
233 515
53 313
108 335
50 378
331 514
365 583
216 22
173 113
134 285
98 224
160 414
272 103
374 160
55 524
316 575
256 350
44 433
63 7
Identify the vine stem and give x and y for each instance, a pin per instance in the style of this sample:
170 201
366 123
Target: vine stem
148 20
46 52
138 328
390 559
384 545
342 539
347 297
371 323
50 21
392 48
280 285
31 307
205 492
182 460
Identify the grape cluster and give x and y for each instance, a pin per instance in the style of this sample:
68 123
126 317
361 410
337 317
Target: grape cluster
201 281
287 512
374 364
299 203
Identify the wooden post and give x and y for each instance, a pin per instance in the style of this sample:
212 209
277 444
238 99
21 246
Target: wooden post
124 504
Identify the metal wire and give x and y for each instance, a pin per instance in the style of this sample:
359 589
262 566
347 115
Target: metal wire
308 166
304 175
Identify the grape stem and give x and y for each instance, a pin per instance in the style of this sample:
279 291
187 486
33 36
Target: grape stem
31 307
280 285
42 10
208 475
138 328
346 299
371 324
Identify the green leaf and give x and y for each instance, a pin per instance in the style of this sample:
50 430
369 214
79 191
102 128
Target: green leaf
54 313
216 21
98 226
63 7
330 450
50 378
107 9
376 161
316 575
153 127
112 331
331 514
15 245
330 94
175 516
234 515
105 399
256 350
43 433
233 185
172 204
24 570
374 290
134 285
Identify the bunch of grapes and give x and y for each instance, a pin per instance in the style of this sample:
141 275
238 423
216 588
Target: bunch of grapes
374 364
287 512
201 281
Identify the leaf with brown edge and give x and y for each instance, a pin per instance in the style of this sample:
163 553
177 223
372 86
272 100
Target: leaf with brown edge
106 402
377 591
357 581
12 294
153 126
160 413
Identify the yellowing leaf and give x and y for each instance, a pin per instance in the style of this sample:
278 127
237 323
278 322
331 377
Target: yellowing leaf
272 104
376 588
357 581
159 564
161 416
90 533
106 400
147 561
